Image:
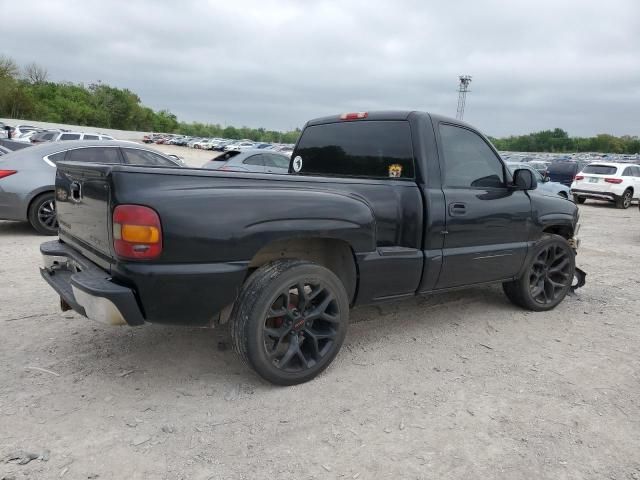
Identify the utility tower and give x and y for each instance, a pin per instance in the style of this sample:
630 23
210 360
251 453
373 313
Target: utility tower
463 88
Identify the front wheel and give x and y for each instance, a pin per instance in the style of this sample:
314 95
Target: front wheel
547 278
579 199
290 320
42 214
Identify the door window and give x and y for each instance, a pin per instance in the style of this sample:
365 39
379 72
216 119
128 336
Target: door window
255 160
94 155
134 156
468 161
90 137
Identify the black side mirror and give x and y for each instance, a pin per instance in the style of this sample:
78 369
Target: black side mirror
523 179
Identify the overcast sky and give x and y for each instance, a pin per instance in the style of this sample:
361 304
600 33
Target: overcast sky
573 64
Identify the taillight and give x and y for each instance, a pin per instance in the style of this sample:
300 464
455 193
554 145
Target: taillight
6 173
613 180
354 116
137 233
579 177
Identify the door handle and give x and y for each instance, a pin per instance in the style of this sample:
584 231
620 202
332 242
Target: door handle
458 208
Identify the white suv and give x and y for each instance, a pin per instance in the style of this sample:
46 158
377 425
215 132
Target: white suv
616 182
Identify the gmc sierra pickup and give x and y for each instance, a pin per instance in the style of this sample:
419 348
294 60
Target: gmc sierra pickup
376 206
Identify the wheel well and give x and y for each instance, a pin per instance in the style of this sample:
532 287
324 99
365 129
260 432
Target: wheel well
563 194
562 230
336 255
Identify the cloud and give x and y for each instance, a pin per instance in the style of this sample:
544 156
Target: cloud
535 65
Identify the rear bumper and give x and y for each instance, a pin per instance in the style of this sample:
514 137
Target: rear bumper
594 194
87 288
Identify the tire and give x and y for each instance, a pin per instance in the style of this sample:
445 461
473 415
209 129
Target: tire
546 279
579 200
288 339
42 214
624 201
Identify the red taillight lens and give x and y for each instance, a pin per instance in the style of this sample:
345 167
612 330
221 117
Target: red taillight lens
6 173
613 180
579 177
354 116
137 233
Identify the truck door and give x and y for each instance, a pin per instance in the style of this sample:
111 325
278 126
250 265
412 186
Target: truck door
487 223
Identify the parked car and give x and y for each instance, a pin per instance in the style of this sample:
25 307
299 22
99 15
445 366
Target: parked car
239 146
45 136
19 130
615 182
27 176
544 184
70 136
26 136
540 165
255 160
363 218
564 171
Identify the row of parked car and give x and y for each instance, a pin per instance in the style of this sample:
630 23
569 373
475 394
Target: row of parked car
217 144
611 177
31 134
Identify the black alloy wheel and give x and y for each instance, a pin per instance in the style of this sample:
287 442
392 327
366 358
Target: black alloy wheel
300 326
290 320
550 274
547 277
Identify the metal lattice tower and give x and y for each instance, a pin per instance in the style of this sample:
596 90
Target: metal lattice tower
463 88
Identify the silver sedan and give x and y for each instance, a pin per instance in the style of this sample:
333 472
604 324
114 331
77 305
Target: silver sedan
254 160
27 176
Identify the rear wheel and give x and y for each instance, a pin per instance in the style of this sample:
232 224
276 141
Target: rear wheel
42 214
290 320
547 278
625 200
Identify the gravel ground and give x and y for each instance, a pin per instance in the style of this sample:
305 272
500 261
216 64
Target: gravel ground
454 386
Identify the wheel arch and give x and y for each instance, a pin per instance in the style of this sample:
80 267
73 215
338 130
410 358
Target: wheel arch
334 254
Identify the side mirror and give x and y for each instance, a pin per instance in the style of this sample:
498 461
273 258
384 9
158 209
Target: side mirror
523 179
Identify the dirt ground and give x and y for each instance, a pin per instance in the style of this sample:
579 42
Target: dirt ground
454 386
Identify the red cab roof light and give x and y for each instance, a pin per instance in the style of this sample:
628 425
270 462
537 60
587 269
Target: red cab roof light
354 116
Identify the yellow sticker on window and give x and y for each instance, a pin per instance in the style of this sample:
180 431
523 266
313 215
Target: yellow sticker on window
395 170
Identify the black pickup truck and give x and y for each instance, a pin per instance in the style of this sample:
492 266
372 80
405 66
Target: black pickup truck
377 206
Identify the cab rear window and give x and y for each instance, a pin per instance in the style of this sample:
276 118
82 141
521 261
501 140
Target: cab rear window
368 149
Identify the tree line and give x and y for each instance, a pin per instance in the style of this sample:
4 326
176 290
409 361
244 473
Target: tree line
558 140
27 93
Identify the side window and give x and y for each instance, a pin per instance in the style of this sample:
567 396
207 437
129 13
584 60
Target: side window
254 160
133 156
70 136
48 136
636 171
94 155
90 137
468 160
277 161
56 157
627 172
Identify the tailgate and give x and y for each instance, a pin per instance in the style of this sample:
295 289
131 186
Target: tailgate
82 203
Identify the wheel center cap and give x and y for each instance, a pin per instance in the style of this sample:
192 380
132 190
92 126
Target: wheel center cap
298 323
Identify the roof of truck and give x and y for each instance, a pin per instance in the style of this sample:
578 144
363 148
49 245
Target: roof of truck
383 115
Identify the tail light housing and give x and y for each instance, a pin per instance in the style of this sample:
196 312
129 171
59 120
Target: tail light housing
6 173
137 232
579 177
613 180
